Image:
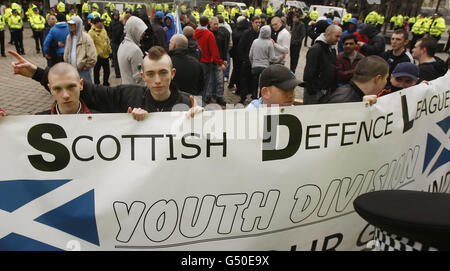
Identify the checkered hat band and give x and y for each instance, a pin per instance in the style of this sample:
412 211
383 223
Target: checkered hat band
385 241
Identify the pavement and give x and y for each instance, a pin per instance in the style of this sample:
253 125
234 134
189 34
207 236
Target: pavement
23 96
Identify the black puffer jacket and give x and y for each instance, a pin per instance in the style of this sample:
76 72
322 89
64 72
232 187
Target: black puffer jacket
348 93
320 68
376 45
117 99
193 49
236 36
189 73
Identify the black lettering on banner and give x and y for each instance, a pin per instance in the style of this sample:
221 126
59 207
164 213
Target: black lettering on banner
375 128
407 124
327 134
74 149
99 151
194 146
153 137
388 122
61 153
344 133
337 236
171 148
209 144
364 233
295 137
367 133
308 136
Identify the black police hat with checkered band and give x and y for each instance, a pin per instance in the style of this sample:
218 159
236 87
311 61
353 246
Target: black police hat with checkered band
407 220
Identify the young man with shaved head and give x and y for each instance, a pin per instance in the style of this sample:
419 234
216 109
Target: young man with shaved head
158 95
189 75
320 68
65 86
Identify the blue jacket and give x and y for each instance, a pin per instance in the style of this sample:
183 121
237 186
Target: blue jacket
171 29
58 33
341 41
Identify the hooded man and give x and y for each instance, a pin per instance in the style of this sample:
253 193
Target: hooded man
160 34
129 55
116 31
376 44
80 49
262 52
352 27
169 26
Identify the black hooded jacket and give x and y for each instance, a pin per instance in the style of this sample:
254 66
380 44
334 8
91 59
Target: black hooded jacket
376 45
240 28
189 73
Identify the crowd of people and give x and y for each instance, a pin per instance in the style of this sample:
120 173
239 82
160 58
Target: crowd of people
170 55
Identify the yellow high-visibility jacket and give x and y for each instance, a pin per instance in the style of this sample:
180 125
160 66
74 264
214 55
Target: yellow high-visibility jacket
37 22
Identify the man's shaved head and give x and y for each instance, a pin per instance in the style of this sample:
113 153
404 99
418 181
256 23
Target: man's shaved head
63 68
180 41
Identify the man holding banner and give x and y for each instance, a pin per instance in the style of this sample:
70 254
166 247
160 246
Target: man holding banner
158 95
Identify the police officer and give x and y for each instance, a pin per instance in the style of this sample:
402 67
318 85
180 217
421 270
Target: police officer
437 27
61 7
85 10
418 30
2 35
16 26
37 23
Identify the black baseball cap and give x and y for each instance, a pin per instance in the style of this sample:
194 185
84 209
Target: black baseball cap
407 69
280 76
97 20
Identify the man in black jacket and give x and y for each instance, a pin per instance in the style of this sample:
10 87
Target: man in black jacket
399 53
189 73
193 48
248 84
160 34
369 79
298 32
430 66
376 44
239 29
116 33
158 95
320 69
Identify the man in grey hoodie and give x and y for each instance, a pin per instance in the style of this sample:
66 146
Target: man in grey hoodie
129 54
80 49
262 52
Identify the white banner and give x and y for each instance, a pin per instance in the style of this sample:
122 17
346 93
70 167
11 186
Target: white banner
278 179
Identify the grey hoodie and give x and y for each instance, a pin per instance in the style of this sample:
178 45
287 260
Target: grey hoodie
72 55
129 54
262 52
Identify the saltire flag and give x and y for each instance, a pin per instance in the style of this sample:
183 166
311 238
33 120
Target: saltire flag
178 28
